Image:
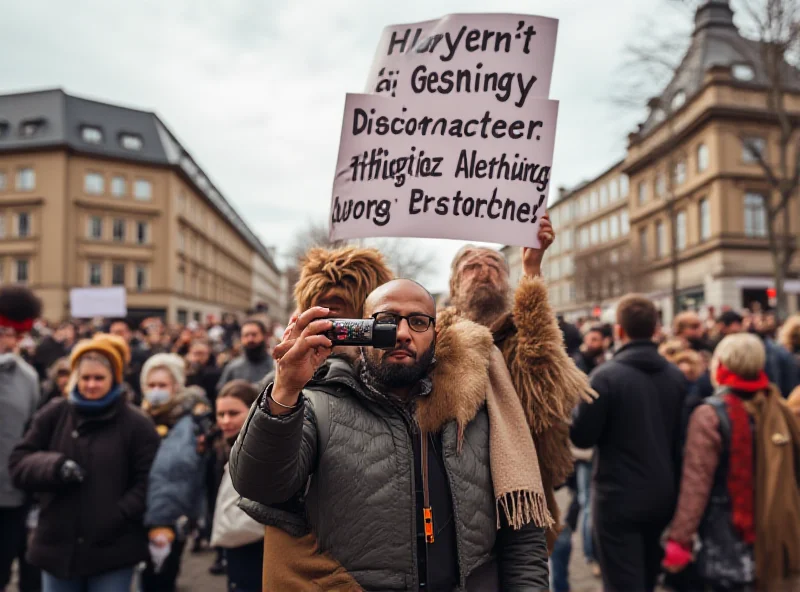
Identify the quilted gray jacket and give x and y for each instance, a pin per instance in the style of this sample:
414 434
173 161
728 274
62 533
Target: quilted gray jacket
360 502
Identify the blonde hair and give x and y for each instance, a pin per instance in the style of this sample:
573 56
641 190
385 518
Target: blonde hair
353 271
789 336
172 363
671 348
742 353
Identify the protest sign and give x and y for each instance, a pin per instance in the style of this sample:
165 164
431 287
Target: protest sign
463 169
88 303
503 58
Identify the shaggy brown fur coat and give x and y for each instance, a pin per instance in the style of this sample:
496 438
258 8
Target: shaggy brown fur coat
546 379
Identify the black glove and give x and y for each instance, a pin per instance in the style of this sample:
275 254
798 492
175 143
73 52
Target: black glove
71 472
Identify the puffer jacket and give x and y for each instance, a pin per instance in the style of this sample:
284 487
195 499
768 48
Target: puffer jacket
177 477
361 502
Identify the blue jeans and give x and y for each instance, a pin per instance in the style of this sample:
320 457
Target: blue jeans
559 561
583 475
112 581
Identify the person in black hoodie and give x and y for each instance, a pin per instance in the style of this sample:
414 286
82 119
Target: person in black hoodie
635 428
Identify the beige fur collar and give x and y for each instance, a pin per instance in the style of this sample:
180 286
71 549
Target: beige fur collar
461 375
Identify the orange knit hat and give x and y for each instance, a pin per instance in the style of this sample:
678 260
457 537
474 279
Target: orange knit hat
101 344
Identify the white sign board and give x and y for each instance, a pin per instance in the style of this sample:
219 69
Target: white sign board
465 169
88 303
498 58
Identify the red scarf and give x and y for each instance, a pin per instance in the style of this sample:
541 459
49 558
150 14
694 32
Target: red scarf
741 473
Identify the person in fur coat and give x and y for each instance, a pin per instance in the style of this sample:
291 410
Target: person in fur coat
525 329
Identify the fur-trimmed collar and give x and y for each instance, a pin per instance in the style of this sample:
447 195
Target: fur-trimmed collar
461 375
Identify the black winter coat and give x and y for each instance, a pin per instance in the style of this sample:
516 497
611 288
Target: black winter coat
95 526
635 425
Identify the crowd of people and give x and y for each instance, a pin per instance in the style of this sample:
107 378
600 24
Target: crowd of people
431 465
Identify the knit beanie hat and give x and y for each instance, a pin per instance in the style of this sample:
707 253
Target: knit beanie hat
105 347
120 345
172 363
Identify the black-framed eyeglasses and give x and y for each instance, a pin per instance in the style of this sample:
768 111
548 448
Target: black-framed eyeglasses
417 322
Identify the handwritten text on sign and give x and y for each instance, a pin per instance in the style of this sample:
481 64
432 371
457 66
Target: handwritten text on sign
506 58
459 171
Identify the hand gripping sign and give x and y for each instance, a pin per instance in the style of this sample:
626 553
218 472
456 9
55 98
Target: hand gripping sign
459 171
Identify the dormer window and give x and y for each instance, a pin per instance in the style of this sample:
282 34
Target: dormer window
678 99
92 135
30 127
743 72
131 142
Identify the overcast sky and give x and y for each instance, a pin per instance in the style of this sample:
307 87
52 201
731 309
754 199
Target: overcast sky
255 90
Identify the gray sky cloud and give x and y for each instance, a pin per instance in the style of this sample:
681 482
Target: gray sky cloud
256 90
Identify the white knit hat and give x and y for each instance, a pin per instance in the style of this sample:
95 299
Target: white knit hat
172 363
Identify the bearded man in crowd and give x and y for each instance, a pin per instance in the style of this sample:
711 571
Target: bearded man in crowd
526 331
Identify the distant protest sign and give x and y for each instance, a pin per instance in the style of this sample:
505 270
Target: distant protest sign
505 58
88 303
467 169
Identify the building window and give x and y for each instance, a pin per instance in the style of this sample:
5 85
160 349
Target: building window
119 230
743 72
95 274
678 100
705 219
642 193
661 240
92 135
141 233
593 201
603 196
584 209
142 190
94 184
4 128
613 190
3 181
118 186
624 224
141 278
183 317
95 227
26 179
680 173
595 233
680 230
23 224
131 142
22 271
567 239
643 242
702 158
624 186
750 145
603 230
2 226
584 238
661 185
181 283
755 215
614 227
118 274
181 241
31 127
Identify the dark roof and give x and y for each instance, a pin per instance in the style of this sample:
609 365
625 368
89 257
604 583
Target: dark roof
715 42
58 119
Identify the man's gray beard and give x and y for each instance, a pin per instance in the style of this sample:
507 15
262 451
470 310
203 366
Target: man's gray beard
484 305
